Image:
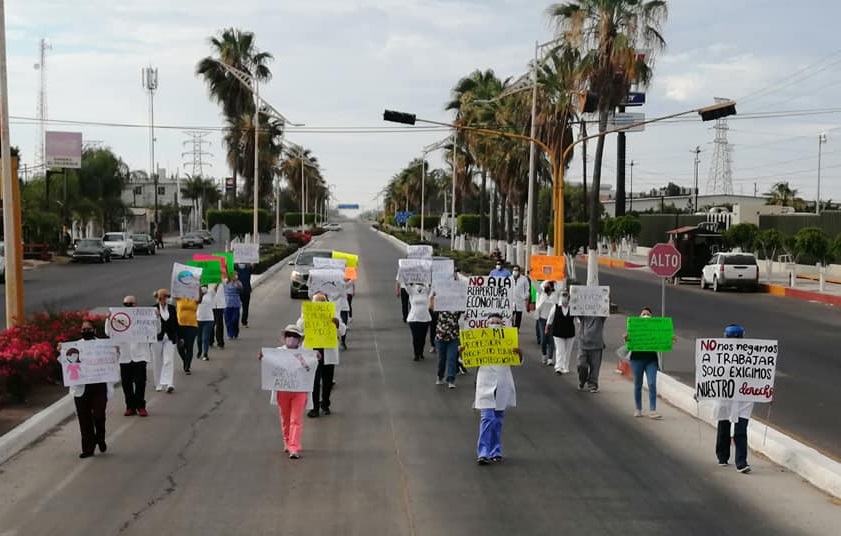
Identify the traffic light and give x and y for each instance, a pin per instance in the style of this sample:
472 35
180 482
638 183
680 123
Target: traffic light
399 117
717 111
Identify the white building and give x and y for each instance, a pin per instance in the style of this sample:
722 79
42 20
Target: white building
746 208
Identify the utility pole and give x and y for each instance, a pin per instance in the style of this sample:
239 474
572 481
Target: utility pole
821 141
620 170
631 189
697 152
150 84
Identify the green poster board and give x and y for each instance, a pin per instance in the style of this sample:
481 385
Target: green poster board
655 334
211 271
229 256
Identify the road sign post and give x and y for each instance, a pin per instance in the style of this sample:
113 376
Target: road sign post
664 260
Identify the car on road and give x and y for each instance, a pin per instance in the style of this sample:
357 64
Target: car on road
205 235
331 227
301 267
91 249
731 269
143 242
192 240
302 238
120 244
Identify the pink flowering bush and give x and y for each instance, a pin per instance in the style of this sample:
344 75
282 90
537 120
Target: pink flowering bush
29 351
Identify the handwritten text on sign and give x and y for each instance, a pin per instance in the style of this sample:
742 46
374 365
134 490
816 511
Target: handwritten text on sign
133 324
414 271
84 362
326 262
589 300
655 334
246 253
486 295
330 281
489 346
319 329
288 370
450 295
420 251
735 369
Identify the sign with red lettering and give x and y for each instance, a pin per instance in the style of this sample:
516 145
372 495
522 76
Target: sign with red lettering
735 369
664 260
487 295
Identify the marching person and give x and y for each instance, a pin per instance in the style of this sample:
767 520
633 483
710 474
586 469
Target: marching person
163 352
350 286
328 359
561 326
644 363
219 302
590 347
343 307
232 304
402 292
495 392
419 317
244 277
522 295
447 343
133 358
291 405
500 270
188 327
206 318
546 302
733 415
91 401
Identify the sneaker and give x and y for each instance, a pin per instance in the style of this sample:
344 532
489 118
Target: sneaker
496 459
439 381
204 358
432 350
744 470
142 412
723 464
581 386
543 360
482 460
294 455
549 362
326 411
170 389
86 455
313 413
594 388
637 413
103 447
654 415
559 372
417 358
159 388
129 413
451 385
187 372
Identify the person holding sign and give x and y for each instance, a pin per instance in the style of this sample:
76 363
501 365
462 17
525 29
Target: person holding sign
329 358
732 415
590 348
188 327
546 302
495 393
419 317
133 358
244 277
163 352
233 303
644 362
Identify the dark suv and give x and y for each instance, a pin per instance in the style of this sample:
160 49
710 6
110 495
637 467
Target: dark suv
143 243
301 267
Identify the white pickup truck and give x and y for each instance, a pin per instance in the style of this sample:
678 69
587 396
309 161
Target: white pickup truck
731 269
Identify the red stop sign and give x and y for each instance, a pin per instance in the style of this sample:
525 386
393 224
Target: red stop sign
664 260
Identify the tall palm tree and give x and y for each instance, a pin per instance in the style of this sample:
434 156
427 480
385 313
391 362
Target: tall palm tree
609 34
299 162
239 142
781 194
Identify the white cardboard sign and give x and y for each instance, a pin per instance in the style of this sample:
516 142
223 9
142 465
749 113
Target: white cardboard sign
589 300
288 370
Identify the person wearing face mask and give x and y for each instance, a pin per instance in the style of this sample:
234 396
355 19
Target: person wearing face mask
291 405
495 392
500 270
133 358
163 352
644 363
188 327
206 320
561 326
420 302
232 288
546 302
328 358
244 277
590 348
522 294
219 302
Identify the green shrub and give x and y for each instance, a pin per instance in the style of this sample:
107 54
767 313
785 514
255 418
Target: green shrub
240 221
468 224
429 222
271 255
293 219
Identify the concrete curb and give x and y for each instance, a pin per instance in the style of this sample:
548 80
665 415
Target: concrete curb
35 427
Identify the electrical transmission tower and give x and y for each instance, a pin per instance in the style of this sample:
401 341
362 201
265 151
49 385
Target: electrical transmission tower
721 169
196 154
41 66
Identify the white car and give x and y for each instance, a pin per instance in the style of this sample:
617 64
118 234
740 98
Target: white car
332 227
732 269
120 244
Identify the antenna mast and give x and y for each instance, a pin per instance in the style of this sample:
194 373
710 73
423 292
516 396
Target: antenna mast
40 146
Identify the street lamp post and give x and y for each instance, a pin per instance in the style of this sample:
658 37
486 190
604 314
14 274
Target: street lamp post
821 141
426 150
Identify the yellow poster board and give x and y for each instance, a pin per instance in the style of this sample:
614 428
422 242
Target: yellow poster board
489 346
351 260
548 267
319 329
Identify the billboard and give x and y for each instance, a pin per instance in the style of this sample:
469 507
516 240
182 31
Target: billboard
64 149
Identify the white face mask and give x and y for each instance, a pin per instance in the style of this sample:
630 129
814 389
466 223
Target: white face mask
645 315
515 273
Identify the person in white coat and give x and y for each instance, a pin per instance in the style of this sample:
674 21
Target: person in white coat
495 392
326 365
546 301
522 295
732 415
560 325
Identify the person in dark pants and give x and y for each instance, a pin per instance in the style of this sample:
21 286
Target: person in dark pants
328 358
133 358
733 415
244 276
400 290
419 317
90 400
433 327
219 314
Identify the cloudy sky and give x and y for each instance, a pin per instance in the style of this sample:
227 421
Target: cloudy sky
338 63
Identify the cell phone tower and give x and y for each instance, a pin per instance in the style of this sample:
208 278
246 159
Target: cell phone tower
721 169
150 84
40 145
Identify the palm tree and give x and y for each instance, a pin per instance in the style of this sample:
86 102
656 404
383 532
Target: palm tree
609 34
301 169
239 141
782 194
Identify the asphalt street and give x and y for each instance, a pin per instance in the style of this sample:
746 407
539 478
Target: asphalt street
806 394
397 457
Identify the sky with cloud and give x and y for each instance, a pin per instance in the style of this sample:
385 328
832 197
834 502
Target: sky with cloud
339 63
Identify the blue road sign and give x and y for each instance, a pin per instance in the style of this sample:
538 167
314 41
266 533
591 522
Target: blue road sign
634 98
349 206
402 217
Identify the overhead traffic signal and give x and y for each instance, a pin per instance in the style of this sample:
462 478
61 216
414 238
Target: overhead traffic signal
717 111
399 117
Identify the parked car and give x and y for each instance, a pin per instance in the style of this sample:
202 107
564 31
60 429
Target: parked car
120 244
205 234
143 242
332 227
302 238
91 249
731 269
301 267
192 240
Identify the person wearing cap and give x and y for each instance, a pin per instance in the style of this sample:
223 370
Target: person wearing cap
291 405
546 301
133 358
327 361
495 392
643 362
733 416
163 352
560 325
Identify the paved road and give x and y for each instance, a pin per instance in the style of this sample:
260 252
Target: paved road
397 457
806 396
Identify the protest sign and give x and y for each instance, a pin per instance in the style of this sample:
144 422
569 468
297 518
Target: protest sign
443 268
450 294
486 295
352 260
84 362
288 370
133 324
419 252
655 334
735 369
246 253
548 267
327 280
351 273
212 268
185 281
325 262
414 271
319 329
229 260
489 346
589 300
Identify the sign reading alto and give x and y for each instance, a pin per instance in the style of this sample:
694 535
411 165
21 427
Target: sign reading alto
64 149
664 260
